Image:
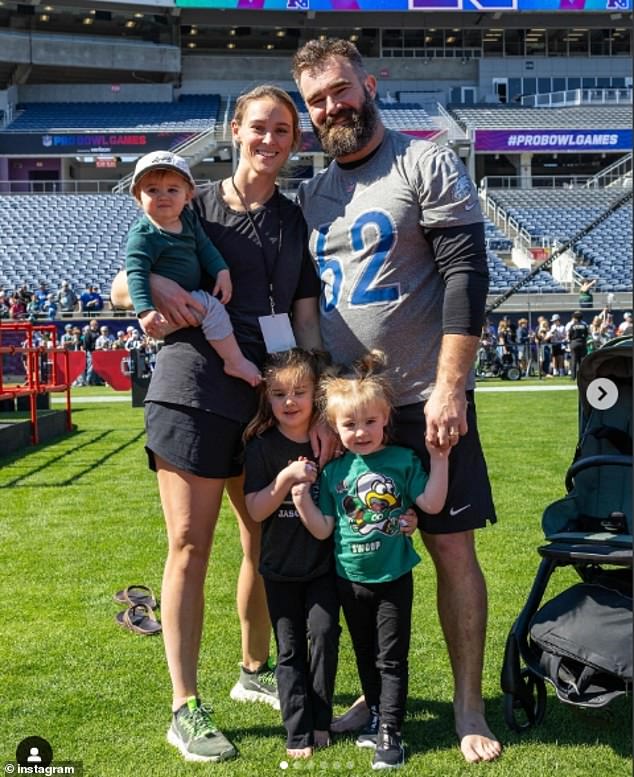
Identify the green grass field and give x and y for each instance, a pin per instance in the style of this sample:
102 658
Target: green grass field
81 519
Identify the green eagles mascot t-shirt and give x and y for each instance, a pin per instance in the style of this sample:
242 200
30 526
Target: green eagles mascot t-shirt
367 495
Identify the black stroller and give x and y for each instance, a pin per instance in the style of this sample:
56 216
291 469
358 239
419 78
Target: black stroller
580 642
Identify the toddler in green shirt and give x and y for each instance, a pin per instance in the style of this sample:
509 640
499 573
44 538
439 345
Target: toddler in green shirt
169 240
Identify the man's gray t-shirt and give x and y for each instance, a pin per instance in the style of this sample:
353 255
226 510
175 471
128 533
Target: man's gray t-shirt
380 284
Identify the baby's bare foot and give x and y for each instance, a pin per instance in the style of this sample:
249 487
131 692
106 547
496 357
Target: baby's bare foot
245 370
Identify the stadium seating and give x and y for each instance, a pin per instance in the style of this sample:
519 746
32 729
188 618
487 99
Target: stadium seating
517 117
395 115
81 238
503 277
189 112
496 240
404 116
555 216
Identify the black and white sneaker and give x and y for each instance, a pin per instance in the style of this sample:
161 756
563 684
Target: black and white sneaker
367 735
389 753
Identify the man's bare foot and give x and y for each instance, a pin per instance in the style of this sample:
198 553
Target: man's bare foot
353 718
477 742
299 752
245 370
321 738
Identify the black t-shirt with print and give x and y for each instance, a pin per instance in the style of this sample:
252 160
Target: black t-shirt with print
288 551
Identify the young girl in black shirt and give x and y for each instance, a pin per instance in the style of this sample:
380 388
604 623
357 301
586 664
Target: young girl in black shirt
298 570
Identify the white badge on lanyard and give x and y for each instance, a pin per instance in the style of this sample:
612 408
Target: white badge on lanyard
277 332
276 328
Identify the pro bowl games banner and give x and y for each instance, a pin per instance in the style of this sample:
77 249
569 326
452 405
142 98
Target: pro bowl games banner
614 6
70 144
518 141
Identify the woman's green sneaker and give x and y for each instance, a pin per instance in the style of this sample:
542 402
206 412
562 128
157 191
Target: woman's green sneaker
194 734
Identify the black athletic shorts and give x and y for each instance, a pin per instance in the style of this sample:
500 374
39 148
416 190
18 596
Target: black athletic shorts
469 501
193 440
557 349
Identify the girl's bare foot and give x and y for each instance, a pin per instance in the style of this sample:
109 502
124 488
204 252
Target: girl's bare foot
299 752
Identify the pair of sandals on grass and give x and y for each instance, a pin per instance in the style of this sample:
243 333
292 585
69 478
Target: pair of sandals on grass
139 615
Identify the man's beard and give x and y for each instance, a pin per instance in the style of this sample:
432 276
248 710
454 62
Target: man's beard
341 140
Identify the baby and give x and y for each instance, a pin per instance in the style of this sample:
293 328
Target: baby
170 241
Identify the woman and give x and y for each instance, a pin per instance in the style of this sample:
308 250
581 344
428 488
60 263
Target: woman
262 237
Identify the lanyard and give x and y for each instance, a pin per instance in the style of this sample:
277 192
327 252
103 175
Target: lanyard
270 270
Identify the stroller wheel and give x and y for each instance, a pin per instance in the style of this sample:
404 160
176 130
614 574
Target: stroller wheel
526 707
513 373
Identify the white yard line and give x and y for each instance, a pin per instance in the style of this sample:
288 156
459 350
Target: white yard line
126 397
498 389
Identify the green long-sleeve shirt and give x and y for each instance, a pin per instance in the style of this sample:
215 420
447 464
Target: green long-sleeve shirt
180 257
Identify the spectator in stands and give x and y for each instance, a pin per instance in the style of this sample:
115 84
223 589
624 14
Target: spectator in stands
503 336
41 295
625 327
105 339
66 298
66 340
4 305
17 308
118 344
133 338
24 293
522 343
578 333
168 240
608 327
49 307
596 333
32 308
557 337
192 404
489 327
586 299
543 346
511 328
91 300
77 339
90 335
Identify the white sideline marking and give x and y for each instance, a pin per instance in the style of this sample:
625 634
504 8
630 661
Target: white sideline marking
91 400
126 397
498 389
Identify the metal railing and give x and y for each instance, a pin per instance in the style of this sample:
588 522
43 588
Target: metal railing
428 53
456 132
533 182
618 173
511 228
205 140
591 96
288 186
67 186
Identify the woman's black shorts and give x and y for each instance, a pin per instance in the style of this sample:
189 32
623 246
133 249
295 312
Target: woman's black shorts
194 440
